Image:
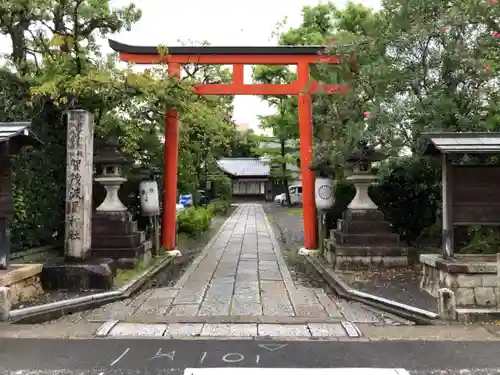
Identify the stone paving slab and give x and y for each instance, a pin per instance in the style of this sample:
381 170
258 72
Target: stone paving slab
124 329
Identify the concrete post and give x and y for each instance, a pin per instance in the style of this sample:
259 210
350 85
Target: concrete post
79 168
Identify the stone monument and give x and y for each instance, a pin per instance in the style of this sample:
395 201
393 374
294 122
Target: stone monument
79 168
115 234
363 238
78 270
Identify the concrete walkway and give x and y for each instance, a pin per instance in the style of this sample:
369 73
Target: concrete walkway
242 273
240 278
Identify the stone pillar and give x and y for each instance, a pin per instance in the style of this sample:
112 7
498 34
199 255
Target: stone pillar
79 169
5 303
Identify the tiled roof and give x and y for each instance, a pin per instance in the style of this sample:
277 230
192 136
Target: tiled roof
244 167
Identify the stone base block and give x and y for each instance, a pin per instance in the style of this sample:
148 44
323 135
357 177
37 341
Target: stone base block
126 258
92 274
23 280
358 257
472 278
128 263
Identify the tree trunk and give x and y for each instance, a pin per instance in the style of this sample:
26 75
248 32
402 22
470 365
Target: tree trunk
19 47
283 169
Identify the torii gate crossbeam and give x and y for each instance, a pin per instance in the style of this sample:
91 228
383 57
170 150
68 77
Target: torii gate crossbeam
238 57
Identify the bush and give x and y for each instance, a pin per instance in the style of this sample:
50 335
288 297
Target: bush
219 207
194 220
222 188
409 196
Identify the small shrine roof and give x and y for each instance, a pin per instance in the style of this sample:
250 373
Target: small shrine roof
18 130
463 142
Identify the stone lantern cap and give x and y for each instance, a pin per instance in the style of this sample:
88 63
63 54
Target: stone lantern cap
366 153
110 154
323 168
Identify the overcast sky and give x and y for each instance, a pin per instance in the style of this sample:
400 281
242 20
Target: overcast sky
220 22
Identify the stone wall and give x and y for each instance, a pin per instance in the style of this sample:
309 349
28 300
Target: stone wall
23 280
472 278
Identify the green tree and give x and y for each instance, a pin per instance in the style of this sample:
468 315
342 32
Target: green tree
244 144
429 66
57 65
282 159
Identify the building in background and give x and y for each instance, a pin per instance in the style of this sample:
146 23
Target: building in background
252 178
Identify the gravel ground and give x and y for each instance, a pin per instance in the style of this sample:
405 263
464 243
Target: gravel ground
400 285
288 225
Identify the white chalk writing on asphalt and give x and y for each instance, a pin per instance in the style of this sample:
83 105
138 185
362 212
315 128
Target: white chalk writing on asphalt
233 357
159 354
273 347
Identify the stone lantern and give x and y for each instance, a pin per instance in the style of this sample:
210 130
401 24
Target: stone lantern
363 238
115 233
361 163
112 161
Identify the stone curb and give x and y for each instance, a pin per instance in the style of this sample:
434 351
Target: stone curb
344 290
55 310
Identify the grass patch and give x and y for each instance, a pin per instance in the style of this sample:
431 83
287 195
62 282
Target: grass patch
125 276
293 211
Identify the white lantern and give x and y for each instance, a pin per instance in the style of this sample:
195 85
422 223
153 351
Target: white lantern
150 202
324 193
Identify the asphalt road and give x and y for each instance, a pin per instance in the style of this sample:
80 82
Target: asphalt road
158 356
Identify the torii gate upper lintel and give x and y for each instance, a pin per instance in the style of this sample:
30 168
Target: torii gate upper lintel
238 57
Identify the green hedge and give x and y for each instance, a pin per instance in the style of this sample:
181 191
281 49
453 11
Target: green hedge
219 207
194 220
409 196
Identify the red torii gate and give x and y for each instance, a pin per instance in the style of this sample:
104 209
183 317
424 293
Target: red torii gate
238 57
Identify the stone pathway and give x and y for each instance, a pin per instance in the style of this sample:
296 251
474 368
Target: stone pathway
240 279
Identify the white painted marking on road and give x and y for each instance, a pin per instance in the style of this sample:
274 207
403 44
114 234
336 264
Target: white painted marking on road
257 359
204 355
159 354
239 357
273 347
207 371
104 329
351 329
120 357
294 371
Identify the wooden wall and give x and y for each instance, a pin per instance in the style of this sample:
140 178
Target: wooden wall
476 195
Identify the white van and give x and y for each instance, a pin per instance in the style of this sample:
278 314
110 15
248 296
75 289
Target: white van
295 195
